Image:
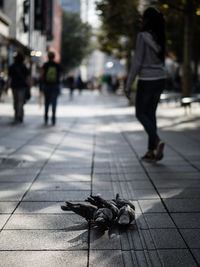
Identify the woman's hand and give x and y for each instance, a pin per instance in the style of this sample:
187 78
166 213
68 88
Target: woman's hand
127 94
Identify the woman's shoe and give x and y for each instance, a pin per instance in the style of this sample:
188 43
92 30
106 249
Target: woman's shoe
159 151
148 157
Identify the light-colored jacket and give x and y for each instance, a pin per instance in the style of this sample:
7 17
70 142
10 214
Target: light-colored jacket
146 63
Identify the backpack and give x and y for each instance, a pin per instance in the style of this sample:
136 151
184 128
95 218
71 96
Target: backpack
51 74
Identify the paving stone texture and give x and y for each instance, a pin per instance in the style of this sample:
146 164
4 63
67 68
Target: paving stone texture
95 148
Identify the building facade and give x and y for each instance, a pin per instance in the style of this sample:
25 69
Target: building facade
55 43
4 34
22 35
29 26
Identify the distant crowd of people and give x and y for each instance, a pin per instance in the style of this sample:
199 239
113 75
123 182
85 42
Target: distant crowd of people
49 80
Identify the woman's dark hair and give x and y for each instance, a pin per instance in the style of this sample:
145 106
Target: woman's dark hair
19 58
154 23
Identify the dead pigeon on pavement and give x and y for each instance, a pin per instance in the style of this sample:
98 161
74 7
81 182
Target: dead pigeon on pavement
104 216
120 202
85 210
126 215
102 203
103 212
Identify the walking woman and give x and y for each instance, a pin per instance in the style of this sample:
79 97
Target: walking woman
148 65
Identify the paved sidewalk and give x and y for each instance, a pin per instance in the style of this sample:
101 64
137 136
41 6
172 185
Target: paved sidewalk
95 148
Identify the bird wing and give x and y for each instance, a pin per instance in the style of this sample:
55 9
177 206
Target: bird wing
85 210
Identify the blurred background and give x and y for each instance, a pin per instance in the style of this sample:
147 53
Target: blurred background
94 40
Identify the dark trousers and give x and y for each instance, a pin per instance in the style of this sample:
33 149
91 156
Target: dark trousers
18 103
51 92
147 98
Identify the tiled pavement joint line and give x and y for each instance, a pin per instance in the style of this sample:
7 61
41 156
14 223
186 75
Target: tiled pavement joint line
91 191
145 251
142 239
163 203
186 160
26 143
92 163
167 127
38 173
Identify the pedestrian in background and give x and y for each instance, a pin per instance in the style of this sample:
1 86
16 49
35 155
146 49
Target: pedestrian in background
19 80
71 85
148 65
79 84
50 78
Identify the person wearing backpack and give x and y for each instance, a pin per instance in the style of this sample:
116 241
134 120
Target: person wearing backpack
50 77
19 80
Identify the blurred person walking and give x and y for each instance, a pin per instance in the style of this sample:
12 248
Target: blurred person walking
71 85
19 80
148 65
50 78
79 84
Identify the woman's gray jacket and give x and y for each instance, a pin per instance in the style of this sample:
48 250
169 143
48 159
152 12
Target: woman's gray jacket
146 63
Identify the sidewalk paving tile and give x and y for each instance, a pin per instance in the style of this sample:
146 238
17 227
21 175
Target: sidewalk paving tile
39 207
11 195
17 178
51 186
14 186
95 148
104 240
63 177
133 239
159 220
176 183
192 237
183 205
167 238
3 219
67 222
176 257
43 240
104 258
8 206
160 168
129 193
187 220
180 193
177 175
43 258
119 177
42 195
196 253
65 171
153 205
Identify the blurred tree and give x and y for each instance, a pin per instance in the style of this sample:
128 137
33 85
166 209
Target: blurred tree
120 26
75 44
186 12
120 22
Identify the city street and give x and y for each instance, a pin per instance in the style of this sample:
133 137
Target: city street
95 148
